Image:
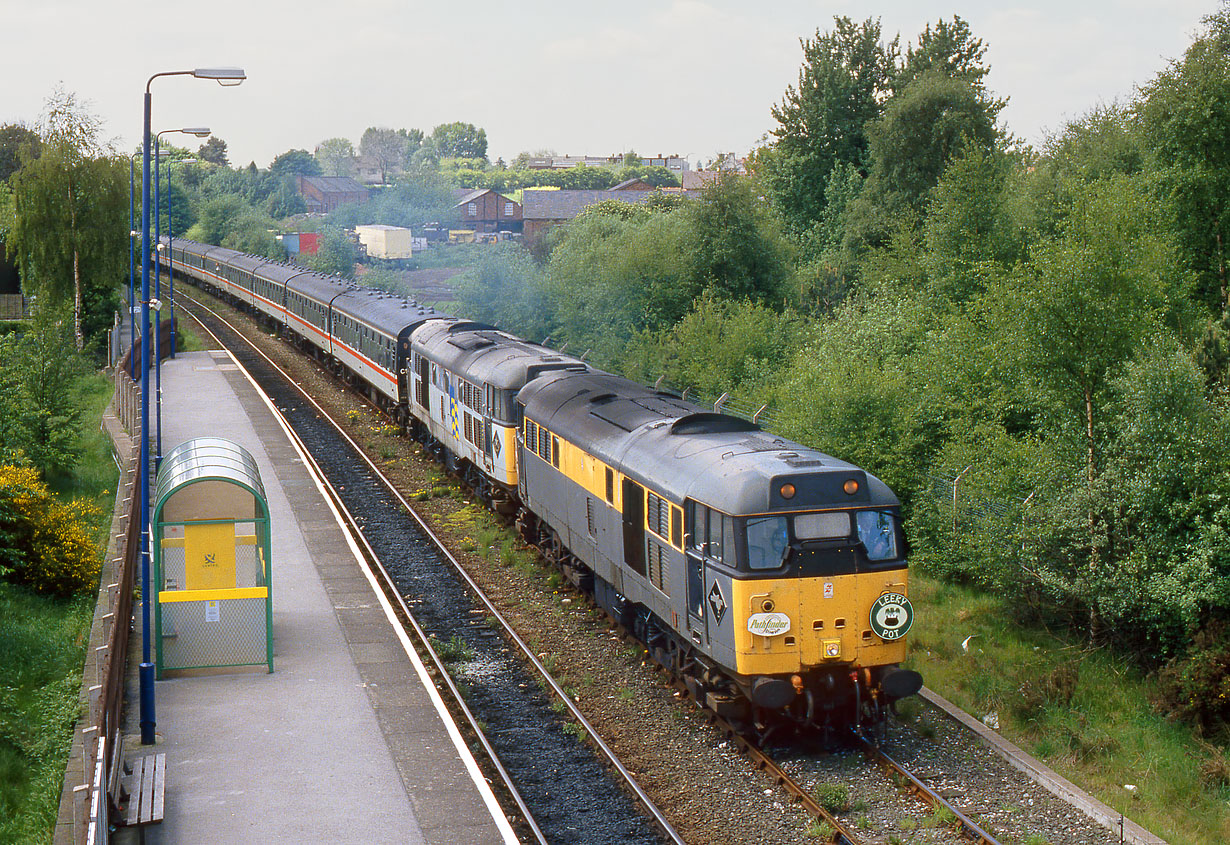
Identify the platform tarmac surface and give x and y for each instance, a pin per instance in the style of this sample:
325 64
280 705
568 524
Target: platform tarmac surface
342 742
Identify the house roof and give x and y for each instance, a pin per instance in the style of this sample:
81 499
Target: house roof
628 183
697 179
463 197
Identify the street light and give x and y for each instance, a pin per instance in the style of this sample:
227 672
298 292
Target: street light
200 132
224 76
132 299
170 244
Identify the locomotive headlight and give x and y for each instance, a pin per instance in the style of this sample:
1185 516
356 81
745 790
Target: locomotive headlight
787 491
851 487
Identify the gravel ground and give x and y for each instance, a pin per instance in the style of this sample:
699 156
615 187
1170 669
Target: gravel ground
709 791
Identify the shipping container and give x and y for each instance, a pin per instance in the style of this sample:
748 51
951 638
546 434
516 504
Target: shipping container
385 241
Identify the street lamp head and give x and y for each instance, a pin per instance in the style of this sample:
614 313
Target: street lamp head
199 131
224 75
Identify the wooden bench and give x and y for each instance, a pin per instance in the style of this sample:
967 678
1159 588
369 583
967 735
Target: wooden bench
144 787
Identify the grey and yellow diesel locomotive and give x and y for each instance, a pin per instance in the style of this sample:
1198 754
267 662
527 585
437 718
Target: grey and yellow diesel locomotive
769 577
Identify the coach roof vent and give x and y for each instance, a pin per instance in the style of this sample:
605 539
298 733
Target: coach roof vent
707 423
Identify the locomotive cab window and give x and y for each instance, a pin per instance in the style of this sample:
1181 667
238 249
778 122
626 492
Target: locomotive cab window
831 543
768 541
877 531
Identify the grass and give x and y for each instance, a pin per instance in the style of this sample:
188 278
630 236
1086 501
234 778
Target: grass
42 650
834 797
1086 713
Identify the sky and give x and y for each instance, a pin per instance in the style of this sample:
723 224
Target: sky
692 78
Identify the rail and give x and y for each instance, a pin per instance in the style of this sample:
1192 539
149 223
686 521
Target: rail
404 612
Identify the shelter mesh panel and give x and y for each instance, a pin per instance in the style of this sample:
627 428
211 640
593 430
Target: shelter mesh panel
194 635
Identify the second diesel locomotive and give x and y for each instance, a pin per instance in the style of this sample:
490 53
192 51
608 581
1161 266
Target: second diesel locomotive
770 577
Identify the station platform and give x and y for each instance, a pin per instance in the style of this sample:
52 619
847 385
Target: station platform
345 741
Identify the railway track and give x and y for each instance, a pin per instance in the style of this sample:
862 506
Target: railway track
832 824
433 636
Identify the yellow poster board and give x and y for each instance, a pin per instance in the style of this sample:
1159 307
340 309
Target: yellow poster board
209 556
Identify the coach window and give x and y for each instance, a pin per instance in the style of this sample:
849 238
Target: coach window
610 485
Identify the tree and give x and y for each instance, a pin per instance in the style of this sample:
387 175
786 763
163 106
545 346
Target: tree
1101 143
822 121
176 208
295 163
336 157
1185 114
385 148
71 203
922 129
615 270
17 142
336 255
968 231
505 288
721 345
228 220
41 370
413 141
213 151
459 140
736 249
1089 300
285 200
949 50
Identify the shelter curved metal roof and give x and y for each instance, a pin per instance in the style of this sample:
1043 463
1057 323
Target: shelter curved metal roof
208 458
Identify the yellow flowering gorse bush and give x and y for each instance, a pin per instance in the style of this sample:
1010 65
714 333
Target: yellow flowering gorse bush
47 544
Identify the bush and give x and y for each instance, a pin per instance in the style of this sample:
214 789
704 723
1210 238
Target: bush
46 544
1195 687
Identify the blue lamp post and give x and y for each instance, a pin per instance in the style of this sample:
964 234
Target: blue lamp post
170 254
224 76
132 300
200 132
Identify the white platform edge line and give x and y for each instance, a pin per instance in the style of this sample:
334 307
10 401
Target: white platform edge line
467 758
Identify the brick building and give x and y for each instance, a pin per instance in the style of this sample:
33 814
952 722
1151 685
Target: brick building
485 210
325 193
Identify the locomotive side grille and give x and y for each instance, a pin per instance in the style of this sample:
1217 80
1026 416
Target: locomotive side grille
659 567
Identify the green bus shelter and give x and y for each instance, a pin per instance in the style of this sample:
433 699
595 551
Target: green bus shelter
213 595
